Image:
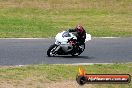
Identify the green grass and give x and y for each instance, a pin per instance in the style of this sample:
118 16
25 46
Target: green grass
53 73
45 18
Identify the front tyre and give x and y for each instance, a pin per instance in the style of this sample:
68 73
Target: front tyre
51 51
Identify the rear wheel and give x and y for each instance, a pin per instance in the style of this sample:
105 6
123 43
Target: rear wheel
75 54
51 51
79 50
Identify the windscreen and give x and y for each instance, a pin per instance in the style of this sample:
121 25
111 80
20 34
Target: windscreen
66 34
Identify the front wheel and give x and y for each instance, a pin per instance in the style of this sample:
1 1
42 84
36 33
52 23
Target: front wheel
51 51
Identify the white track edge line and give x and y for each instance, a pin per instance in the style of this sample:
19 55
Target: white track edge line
53 38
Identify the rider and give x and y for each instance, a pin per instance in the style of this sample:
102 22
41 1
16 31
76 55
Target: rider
81 34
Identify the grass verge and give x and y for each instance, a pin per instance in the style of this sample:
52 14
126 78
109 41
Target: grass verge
28 76
45 18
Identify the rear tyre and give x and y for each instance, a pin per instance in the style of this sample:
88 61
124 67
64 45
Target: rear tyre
78 51
75 54
51 50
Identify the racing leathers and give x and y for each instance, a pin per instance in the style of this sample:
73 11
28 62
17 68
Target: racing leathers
80 36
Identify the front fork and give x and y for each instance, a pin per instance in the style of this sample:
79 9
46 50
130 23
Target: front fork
57 48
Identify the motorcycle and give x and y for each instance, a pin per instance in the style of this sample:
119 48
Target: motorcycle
66 44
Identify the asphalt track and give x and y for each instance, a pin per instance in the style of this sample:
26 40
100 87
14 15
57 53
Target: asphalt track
33 51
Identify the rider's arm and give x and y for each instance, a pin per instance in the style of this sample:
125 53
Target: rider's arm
71 30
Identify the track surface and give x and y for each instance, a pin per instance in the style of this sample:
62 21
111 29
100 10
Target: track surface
33 51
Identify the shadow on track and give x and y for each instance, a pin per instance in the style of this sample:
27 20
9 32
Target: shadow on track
74 57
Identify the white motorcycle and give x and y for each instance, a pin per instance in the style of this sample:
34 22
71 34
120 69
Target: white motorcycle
65 44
